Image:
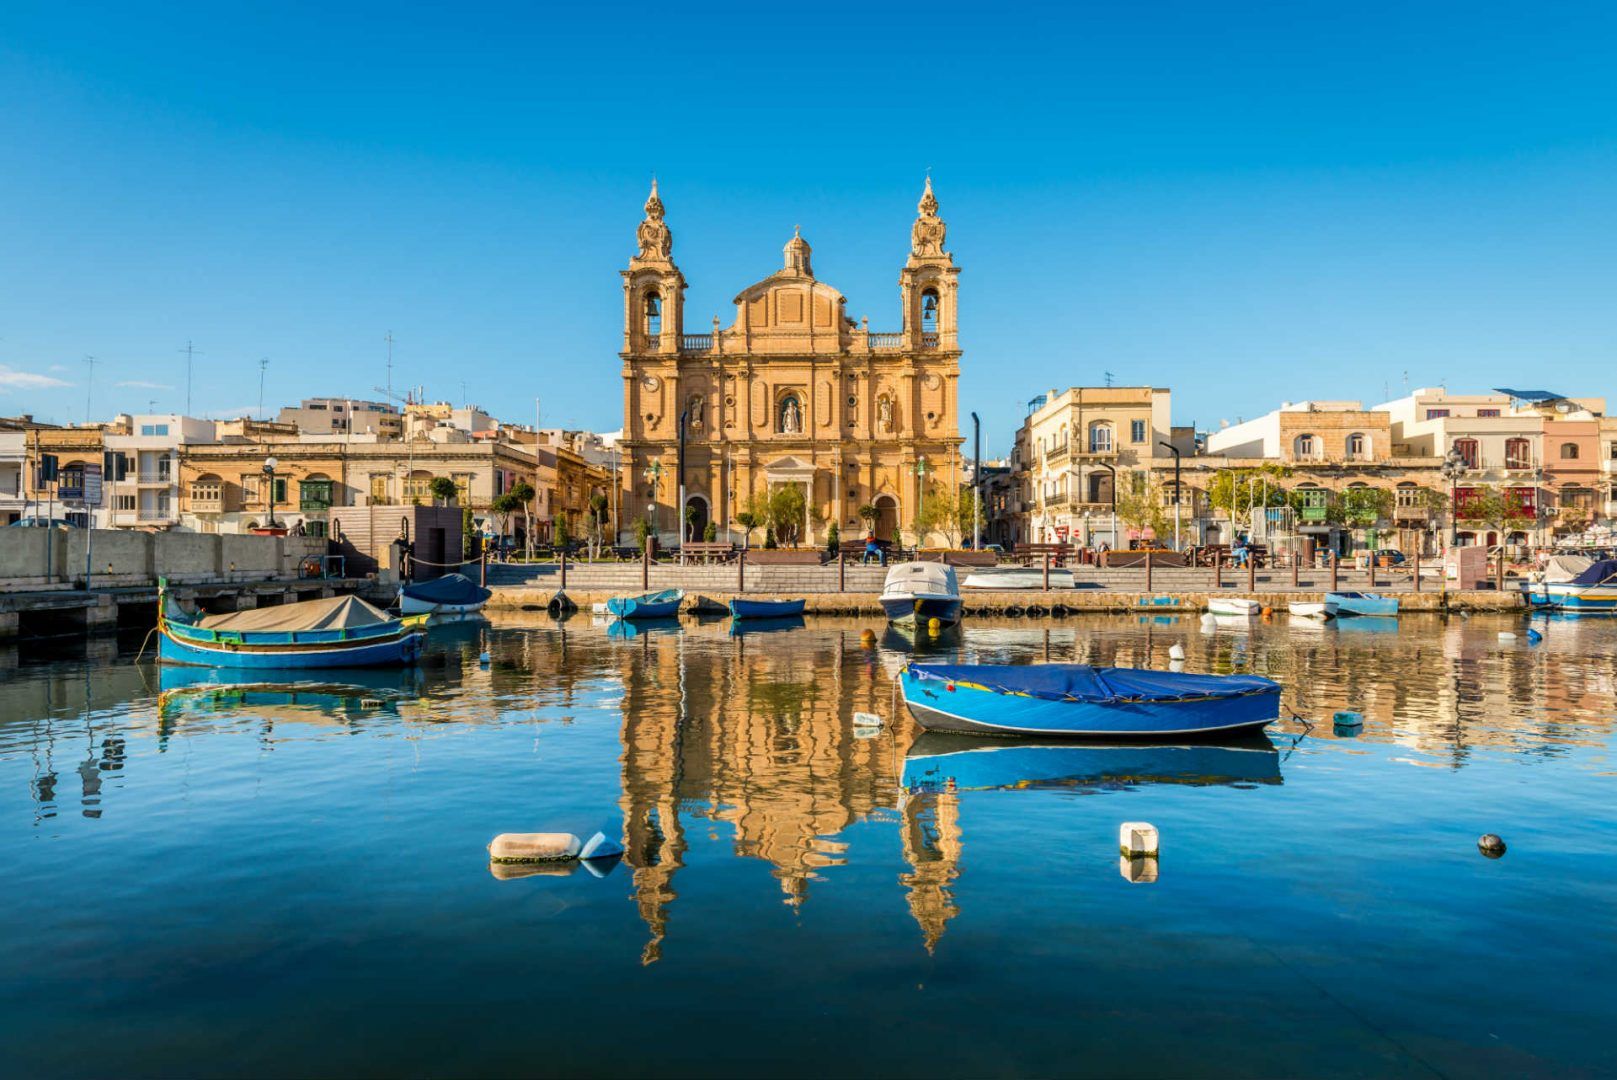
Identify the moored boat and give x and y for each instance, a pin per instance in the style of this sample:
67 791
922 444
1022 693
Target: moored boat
342 631
1312 609
1018 577
743 608
654 605
1362 603
1079 700
1593 591
452 594
918 592
1234 605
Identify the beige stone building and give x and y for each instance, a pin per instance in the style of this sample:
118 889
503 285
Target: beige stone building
795 391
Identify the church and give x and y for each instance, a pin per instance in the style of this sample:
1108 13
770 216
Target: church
795 391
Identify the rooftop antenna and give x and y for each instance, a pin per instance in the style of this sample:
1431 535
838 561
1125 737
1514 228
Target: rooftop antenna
89 387
1108 378
389 340
263 365
189 352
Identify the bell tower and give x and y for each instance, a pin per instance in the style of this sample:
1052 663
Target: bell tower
653 287
928 281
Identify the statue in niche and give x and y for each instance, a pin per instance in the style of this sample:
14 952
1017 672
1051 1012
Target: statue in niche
884 413
695 409
791 416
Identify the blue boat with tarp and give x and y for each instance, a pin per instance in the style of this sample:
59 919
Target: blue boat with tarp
1084 701
339 631
1592 591
942 762
745 608
451 594
652 605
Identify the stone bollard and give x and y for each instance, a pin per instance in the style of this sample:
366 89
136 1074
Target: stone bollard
1135 838
1141 869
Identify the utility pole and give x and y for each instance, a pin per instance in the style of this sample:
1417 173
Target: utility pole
190 351
89 387
684 416
1174 450
263 365
389 340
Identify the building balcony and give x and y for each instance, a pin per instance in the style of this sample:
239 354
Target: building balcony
885 341
1313 515
1058 453
213 505
314 505
151 478
1411 514
154 513
696 343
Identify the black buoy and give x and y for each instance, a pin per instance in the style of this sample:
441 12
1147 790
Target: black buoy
1491 845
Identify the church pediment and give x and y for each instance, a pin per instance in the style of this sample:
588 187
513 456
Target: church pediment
789 468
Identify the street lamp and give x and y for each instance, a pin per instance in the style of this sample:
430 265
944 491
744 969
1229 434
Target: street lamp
269 475
1452 469
1174 450
654 473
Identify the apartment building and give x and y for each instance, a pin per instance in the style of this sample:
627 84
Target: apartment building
343 416
143 488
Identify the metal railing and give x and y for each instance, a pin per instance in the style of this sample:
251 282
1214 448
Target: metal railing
159 477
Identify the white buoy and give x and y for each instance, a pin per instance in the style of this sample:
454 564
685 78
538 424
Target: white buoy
1491 845
1137 838
599 607
531 847
1176 651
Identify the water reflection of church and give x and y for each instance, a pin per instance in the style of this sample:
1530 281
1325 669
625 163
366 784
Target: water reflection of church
760 738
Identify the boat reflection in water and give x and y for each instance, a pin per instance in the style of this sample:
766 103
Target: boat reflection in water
939 768
939 762
628 629
339 694
740 627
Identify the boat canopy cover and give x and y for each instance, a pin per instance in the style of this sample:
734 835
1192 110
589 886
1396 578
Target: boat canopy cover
927 578
1095 685
1562 568
337 613
1598 573
449 589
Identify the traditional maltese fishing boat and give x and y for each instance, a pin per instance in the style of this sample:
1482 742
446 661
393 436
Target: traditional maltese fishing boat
1084 701
343 631
1594 589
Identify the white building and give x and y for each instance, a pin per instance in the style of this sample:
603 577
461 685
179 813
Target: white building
337 416
148 462
13 465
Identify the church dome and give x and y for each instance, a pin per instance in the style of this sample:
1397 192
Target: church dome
797 253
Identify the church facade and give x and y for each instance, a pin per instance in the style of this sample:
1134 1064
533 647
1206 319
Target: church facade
794 392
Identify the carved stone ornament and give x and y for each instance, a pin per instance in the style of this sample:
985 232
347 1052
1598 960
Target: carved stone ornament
655 238
932 381
926 236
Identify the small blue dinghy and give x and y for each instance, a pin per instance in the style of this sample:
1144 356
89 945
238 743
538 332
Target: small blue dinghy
766 609
1362 603
1079 700
655 605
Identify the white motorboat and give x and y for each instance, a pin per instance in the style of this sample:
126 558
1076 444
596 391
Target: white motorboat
918 592
1234 605
1305 609
1017 577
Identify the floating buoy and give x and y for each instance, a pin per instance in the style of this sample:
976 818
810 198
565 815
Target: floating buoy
1268 611
1176 651
1348 722
1136 838
1176 665
1506 635
483 658
866 719
867 639
934 626
1534 635
534 847
1491 845
600 846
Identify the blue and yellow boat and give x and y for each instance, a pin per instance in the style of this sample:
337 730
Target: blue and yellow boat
1592 591
1082 701
342 631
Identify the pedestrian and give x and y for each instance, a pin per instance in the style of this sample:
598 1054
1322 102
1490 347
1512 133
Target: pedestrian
873 548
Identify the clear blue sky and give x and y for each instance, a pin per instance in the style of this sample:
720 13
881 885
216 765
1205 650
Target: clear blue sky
1243 202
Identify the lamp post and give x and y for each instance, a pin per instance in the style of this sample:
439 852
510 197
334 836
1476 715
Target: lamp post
976 484
1452 469
654 473
920 497
269 475
1174 450
684 418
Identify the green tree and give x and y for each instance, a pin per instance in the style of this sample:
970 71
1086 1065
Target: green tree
523 494
559 533
598 514
970 513
711 533
868 514
833 538
468 530
642 534
443 490
504 506
1364 507
1497 508
934 515
748 522
1140 504
786 508
1236 491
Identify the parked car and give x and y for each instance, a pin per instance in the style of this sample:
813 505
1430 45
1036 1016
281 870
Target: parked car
1389 557
42 523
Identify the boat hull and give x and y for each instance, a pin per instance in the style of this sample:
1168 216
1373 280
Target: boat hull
957 707
766 609
1581 599
396 651
1363 604
409 605
1306 610
1234 605
905 610
664 605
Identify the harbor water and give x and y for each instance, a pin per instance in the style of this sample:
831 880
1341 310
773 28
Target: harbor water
243 878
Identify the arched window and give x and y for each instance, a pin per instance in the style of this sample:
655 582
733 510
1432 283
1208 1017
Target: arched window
1469 452
1518 454
1100 438
1358 446
1569 451
1305 446
654 315
789 415
929 311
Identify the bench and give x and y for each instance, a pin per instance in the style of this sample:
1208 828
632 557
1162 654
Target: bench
1033 554
958 557
707 551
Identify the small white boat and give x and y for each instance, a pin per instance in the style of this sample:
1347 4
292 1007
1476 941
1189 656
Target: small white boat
918 592
1017 577
1234 605
1304 609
